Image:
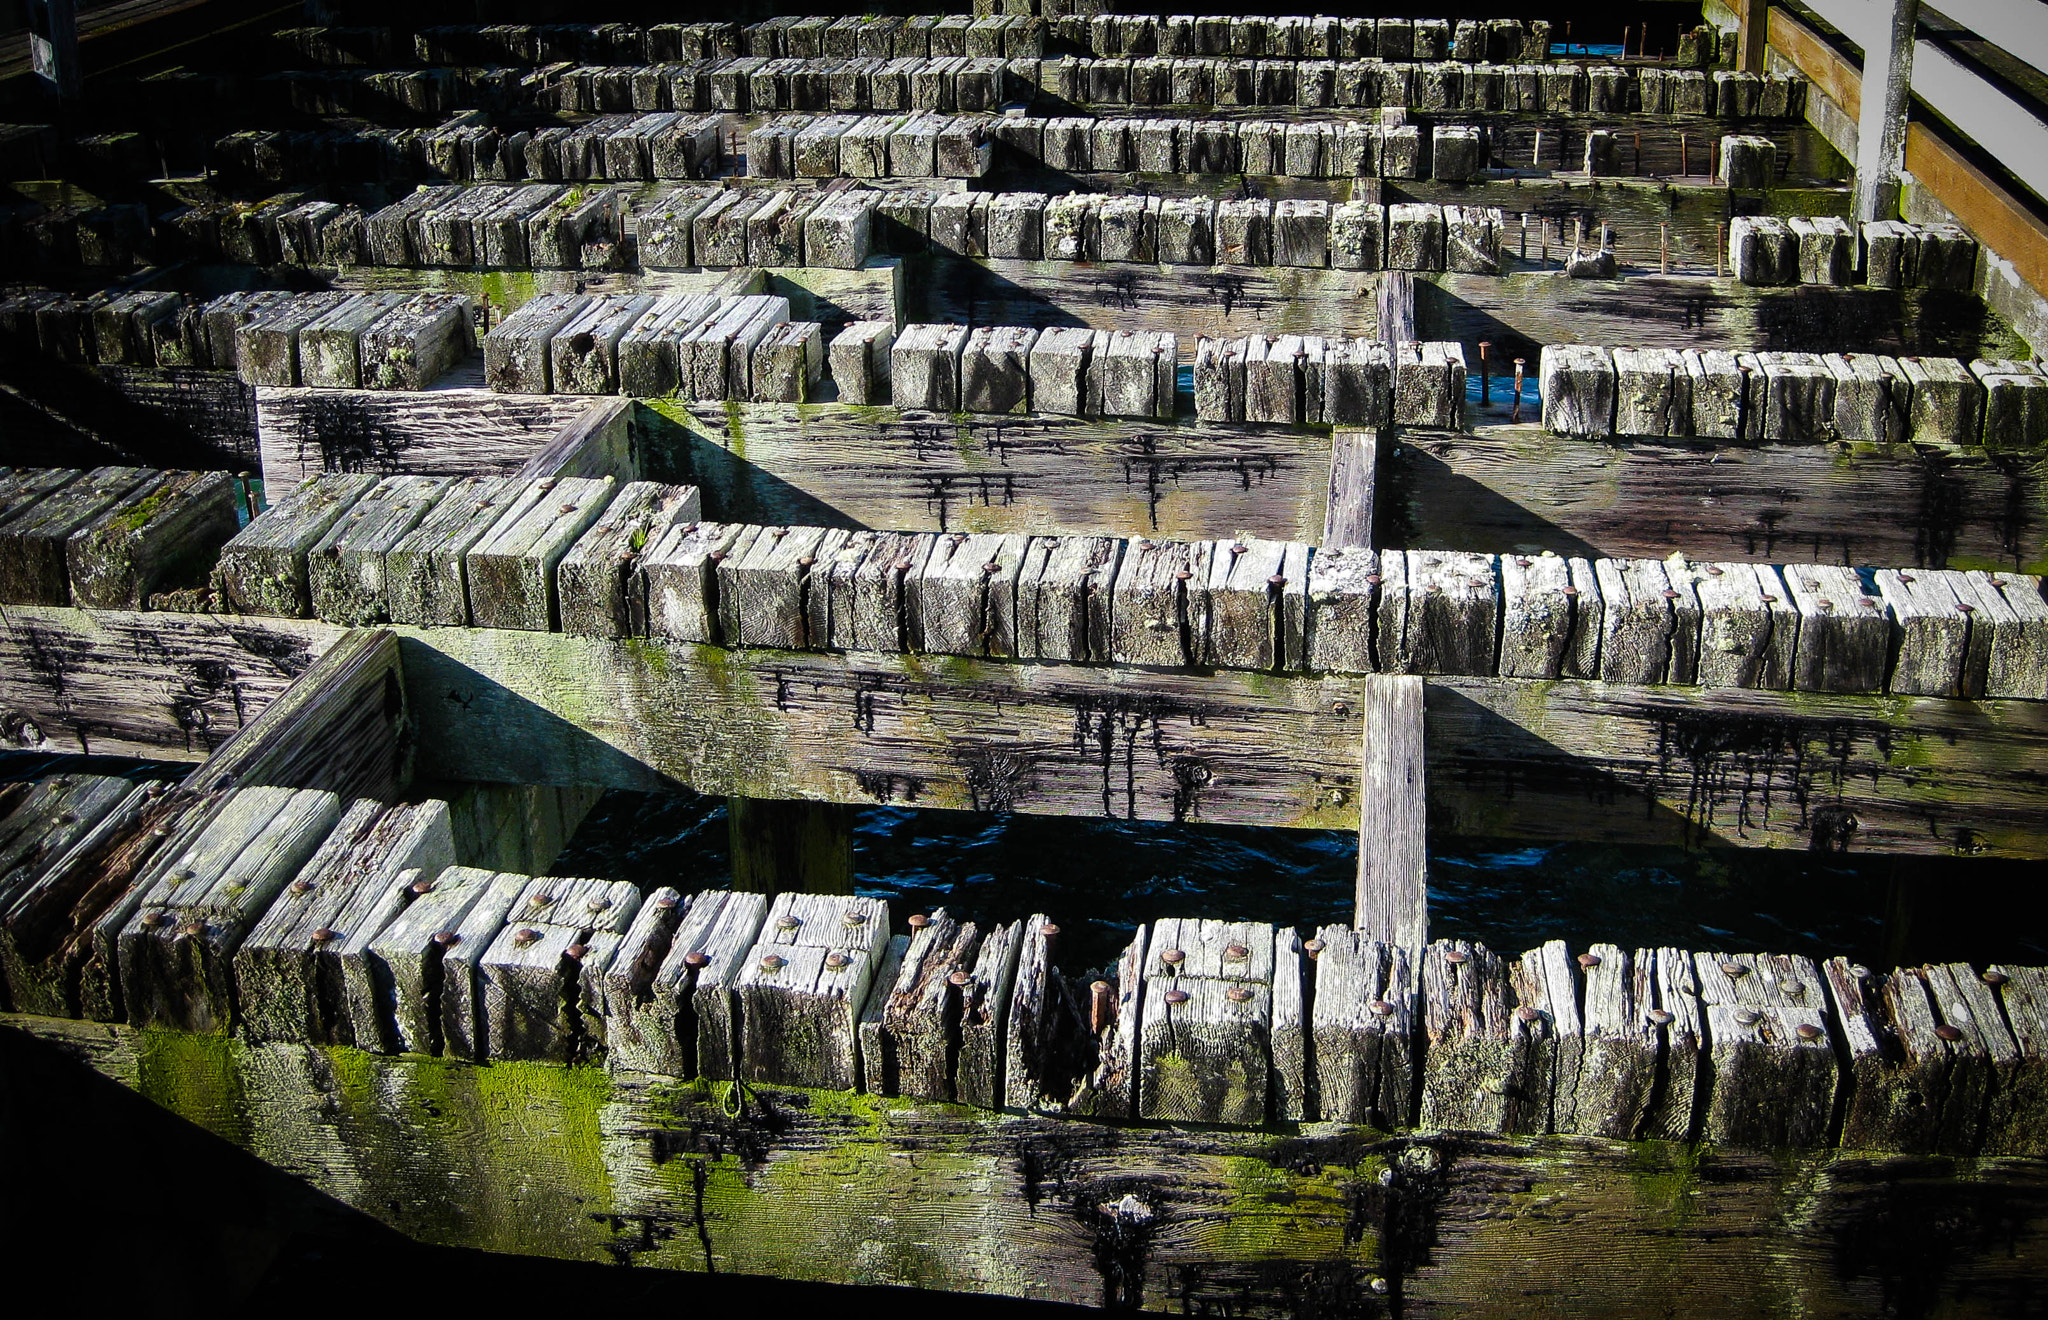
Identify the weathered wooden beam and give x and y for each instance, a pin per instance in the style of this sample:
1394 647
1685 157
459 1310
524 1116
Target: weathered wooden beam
1393 863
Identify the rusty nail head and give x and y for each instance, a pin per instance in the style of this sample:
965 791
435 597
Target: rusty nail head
1571 591
716 555
1949 1032
1276 580
696 958
1182 574
1172 957
1528 1013
836 960
1313 947
322 935
1238 547
444 938
1455 957
1235 953
991 568
1238 994
1792 989
194 928
788 923
958 976
1372 579
1992 976
423 886
542 900
1966 608
1521 561
1807 1031
1715 570
918 921
302 886
1659 1016
568 508
1867 602
773 963
805 561
778 532
1382 1007
1049 930
1589 960
854 918
576 951
901 566
598 904
1176 996
525 936
665 901
1748 1017
1734 970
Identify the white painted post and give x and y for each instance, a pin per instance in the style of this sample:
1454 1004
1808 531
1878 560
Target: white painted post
1887 94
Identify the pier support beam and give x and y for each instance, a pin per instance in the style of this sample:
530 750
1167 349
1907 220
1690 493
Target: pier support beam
1887 96
1393 823
803 847
53 46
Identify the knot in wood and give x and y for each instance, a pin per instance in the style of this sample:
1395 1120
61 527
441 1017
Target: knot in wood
1235 953
836 961
1238 994
773 963
444 938
918 921
576 951
1589 960
1807 1031
696 958
524 936
1992 976
1948 1032
1659 1017
1172 957
323 935
1176 996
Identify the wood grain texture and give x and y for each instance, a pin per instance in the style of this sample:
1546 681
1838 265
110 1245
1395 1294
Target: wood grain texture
1393 864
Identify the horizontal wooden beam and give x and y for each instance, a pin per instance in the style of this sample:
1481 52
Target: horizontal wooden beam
1506 757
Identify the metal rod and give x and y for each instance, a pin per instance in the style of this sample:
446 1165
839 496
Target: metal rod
1515 415
1485 384
1664 248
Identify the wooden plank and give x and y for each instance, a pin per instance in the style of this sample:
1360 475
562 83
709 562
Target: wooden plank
1513 490
600 591
161 535
35 536
426 573
1363 1029
511 569
1774 1073
263 569
921 1020
455 429
1042 1029
1204 1052
1348 513
1393 864
1547 1028
1617 1073
346 569
801 988
636 1038
533 976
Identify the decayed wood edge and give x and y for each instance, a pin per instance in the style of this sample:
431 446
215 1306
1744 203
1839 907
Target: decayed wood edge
342 725
600 442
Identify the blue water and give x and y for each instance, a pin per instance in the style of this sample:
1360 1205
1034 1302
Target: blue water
1586 49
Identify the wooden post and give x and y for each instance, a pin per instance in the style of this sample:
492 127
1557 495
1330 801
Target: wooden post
1753 16
1881 124
802 847
53 46
1393 843
1354 467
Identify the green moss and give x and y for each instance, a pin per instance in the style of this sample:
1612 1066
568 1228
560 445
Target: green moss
138 514
735 428
194 1077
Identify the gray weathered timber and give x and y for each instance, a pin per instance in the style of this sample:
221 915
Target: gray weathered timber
1063 597
1393 861
175 953
695 984
802 986
1617 1069
2022 994
1475 1073
35 535
966 594
1255 602
57 878
921 1018
680 570
1363 1030
1650 622
416 343
457 428
1207 1020
1551 616
426 576
1438 613
1844 632
650 352
1773 1073
407 954
465 1025
1349 510
638 1036
330 345
596 442
517 359
1547 1030
267 346
263 568
762 586
600 590
342 726
978 1072
1749 627
536 999
511 568
584 352
1043 1026
163 534
1157 614
347 570
883 467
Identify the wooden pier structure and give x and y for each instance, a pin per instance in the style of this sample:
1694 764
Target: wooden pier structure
1408 426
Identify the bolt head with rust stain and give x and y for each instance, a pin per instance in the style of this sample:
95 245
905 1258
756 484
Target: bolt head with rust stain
1383 1007
302 886
1949 1032
576 951
524 936
1236 953
774 963
1176 996
422 886
194 928
1992 976
1238 994
696 958
917 921
1808 1031
1589 960
1172 957
1456 957
1049 929
854 918
665 901
1733 970
323 935
959 977
444 938
1313 948
788 923
837 961
1748 1017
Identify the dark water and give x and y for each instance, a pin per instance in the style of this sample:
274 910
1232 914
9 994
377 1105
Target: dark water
1099 879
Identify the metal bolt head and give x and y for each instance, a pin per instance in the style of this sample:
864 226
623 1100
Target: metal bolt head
524 936
1949 1032
1734 971
598 904
1276 580
1529 1013
1748 1017
156 918
1807 1031
1313 948
576 951
541 900
1378 1285
422 886
182 873
788 923
1172 957
1049 930
836 960
1238 994
1589 960
1992 976
918 921
1659 1017
665 901
1176 996
901 566
323 935
1792 989
1235 953
774 963
193 928
1182 574
1382 1007
444 938
696 958
1456 957
959 976
302 886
